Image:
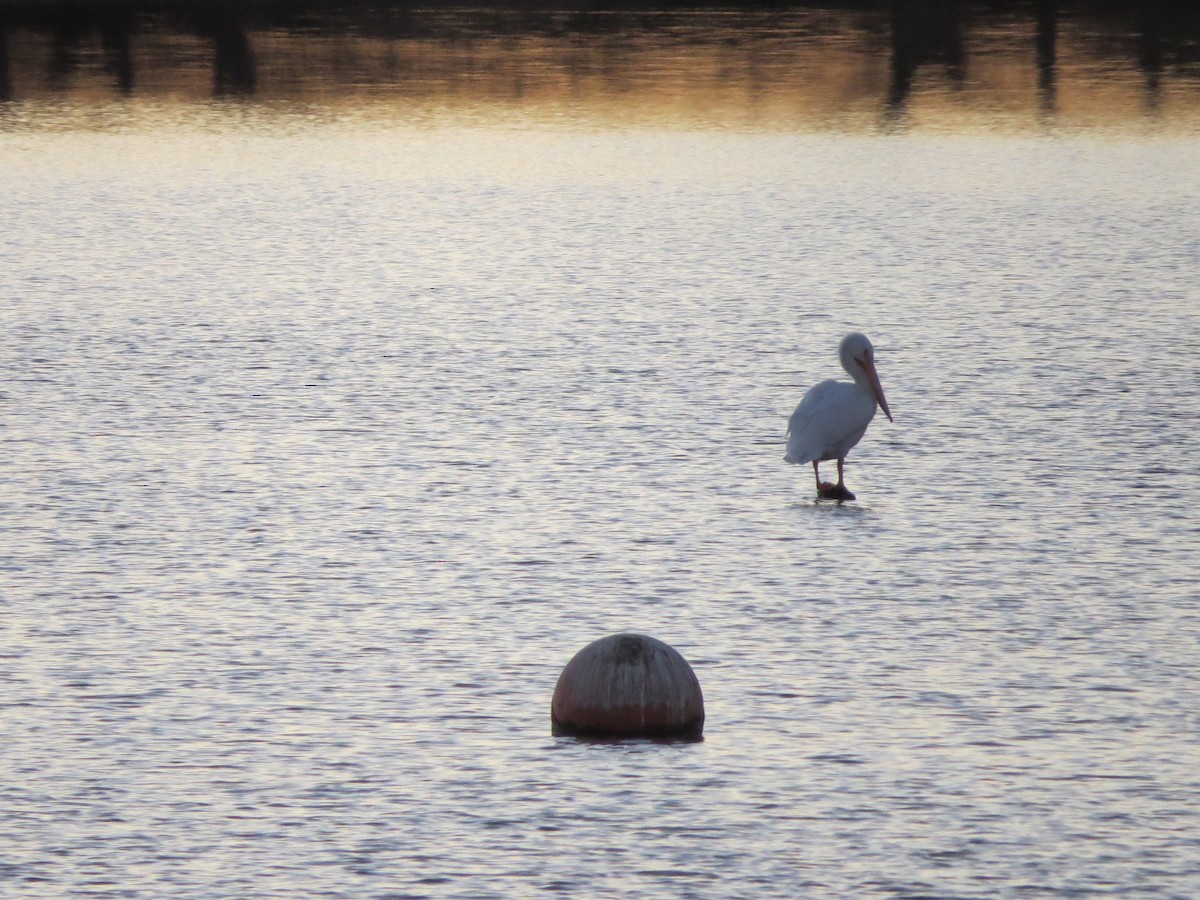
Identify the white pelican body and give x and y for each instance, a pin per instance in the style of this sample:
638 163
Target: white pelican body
834 415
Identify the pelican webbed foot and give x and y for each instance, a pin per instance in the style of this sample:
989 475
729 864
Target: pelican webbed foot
829 491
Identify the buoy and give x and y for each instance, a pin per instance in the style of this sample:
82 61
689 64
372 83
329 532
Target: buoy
628 685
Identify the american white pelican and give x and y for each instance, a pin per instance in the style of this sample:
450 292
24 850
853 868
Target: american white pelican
834 415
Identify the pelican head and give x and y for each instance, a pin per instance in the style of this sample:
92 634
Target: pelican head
858 358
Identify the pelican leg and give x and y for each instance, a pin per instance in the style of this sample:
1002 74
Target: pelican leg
840 491
817 473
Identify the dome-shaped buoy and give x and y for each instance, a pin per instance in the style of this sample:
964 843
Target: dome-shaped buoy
628 685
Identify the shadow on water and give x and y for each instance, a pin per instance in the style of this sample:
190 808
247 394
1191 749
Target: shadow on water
881 53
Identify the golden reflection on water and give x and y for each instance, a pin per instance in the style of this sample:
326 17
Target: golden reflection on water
898 65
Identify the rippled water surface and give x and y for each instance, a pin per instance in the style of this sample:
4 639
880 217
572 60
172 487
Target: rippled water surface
330 431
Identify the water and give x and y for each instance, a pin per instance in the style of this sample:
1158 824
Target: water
330 433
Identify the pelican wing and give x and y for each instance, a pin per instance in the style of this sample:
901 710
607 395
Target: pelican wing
832 418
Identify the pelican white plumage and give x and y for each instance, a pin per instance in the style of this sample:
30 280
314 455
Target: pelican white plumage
834 415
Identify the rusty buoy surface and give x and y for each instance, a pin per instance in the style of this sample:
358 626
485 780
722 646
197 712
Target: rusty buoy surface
628 685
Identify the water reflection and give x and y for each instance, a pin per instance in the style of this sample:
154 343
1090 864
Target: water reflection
925 32
234 66
900 63
1046 56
